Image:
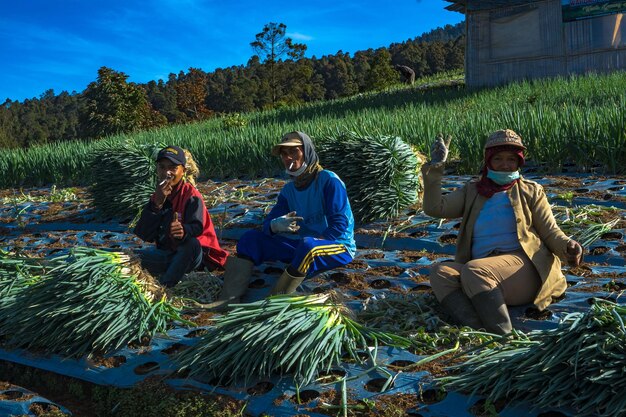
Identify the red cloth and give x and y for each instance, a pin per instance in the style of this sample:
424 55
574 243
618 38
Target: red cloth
213 254
486 187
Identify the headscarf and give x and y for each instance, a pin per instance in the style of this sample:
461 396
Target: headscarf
310 157
486 187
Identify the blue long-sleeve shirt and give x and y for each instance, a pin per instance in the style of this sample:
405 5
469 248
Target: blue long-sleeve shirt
324 206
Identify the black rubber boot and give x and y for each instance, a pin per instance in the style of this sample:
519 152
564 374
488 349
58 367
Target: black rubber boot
492 311
460 308
236 278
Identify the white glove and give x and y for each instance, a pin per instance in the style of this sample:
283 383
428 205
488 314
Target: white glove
439 149
286 224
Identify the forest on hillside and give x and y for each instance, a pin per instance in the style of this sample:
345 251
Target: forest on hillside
284 77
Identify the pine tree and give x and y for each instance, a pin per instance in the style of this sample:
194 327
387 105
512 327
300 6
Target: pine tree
271 45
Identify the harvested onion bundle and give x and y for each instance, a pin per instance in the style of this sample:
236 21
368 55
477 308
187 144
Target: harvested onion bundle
380 173
124 178
284 333
579 364
91 301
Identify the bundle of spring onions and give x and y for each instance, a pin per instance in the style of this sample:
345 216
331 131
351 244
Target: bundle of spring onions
299 334
380 173
124 178
91 301
581 364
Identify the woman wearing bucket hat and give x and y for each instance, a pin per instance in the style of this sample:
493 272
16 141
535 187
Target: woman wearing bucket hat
177 219
509 245
311 227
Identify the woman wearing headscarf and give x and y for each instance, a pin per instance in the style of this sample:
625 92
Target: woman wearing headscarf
311 227
509 247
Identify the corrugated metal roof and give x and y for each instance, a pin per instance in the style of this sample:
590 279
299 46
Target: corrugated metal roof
463 6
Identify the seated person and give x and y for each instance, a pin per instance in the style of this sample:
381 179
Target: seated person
509 245
178 221
311 227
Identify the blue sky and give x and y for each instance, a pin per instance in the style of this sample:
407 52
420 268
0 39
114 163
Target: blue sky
61 44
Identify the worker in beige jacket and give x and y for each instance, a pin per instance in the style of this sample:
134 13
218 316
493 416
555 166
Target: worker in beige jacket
509 244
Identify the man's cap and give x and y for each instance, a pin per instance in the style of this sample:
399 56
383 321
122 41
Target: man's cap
174 154
504 137
289 139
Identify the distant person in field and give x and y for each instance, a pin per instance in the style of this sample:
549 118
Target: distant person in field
311 227
509 245
178 221
408 75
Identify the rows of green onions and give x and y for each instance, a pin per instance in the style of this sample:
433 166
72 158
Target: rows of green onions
581 364
283 334
90 301
574 119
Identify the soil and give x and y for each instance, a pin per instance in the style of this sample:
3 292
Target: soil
372 255
351 280
385 271
408 256
108 362
17 396
395 405
359 264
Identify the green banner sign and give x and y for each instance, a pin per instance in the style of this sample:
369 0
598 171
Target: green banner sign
585 9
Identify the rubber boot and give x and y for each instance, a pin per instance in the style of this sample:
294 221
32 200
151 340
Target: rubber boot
492 311
236 278
286 284
460 308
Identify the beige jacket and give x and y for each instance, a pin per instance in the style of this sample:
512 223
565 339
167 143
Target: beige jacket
537 231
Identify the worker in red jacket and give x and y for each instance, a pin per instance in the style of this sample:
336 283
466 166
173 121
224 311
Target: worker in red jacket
179 222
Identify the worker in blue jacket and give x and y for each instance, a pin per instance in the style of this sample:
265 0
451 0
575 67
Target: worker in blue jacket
311 227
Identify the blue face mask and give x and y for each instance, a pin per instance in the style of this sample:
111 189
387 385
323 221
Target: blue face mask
502 177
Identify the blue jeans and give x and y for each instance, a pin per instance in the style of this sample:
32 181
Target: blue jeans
172 265
309 256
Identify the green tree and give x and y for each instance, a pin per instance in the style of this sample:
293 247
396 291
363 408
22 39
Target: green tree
162 98
381 74
338 74
114 106
271 45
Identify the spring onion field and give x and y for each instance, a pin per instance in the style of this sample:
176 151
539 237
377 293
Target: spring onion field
574 129
578 120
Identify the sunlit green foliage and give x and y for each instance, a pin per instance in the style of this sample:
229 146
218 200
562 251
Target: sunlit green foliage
577 119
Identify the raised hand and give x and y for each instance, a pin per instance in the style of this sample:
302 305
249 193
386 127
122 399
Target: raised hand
439 149
176 227
286 224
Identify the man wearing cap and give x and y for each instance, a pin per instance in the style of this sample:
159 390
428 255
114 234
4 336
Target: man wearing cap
509 247
311 227
178 221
